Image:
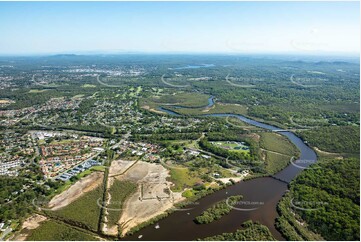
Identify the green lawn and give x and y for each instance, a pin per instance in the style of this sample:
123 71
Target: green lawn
56 231
188 194
134 92
232 146
98 168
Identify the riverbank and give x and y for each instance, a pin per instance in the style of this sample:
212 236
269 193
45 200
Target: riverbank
263 193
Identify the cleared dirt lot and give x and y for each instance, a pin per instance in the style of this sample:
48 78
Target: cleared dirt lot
153 196
117 168
152 109
4 101
82 186
29 224
120 166
228 179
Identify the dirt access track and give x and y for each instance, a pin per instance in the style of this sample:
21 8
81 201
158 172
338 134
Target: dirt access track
82 186
118 167
152 198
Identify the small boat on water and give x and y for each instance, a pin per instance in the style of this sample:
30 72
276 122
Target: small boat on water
140 236
157 226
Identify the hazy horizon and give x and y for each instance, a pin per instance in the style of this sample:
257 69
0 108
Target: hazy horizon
42 28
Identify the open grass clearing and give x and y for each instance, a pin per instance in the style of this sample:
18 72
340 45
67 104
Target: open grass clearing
51 230
276 162
216 108
180 99
182 178
85 209
6 101
89 86
119 192
38 90
277 143
71 192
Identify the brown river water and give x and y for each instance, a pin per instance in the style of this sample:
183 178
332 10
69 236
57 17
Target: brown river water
259 203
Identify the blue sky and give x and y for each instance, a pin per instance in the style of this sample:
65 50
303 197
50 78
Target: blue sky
68 27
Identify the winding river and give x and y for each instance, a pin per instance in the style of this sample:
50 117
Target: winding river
260 197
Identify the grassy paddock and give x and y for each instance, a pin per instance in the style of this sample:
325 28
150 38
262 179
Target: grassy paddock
181 99
276 162
217 108
238 123
51 231
119 192
182 178
84 210
277 143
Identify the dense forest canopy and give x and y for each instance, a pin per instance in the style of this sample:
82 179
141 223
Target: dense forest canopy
326 197
339 139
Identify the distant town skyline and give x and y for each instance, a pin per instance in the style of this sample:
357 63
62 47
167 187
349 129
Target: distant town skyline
179 27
